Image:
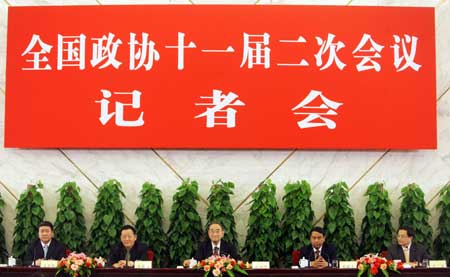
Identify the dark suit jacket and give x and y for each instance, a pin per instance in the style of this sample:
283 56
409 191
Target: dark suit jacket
205 250
417 253
328 253
56 251
137 252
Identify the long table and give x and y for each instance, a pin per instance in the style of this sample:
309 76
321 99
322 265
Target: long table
166 272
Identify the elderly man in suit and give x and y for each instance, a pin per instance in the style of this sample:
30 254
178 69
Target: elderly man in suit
214 246
406 249
45 247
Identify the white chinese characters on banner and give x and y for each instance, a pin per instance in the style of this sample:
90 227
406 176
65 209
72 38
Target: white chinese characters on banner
145 52
104 50
303 62
229 49
332 47
180 46
36 48
327 106
367 54
71 52
408 55
220 113
105 115
254 53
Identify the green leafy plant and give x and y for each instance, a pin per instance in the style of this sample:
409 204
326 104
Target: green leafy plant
263 236
413 213
3 252
376 229
108 219
339 222
298 218
70 227
29 213
149 223
185 228
220 209
442 241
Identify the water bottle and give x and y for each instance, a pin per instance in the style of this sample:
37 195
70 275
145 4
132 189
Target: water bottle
11 261
192 263
303 262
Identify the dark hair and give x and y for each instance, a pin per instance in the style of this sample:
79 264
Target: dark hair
409 230
46 224
216 222
318 230
128 227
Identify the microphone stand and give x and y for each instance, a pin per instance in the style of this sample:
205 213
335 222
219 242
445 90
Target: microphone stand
33 263
311 255
127 255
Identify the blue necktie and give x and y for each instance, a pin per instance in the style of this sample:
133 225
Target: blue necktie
45 251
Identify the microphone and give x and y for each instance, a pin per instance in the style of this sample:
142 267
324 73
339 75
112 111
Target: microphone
33 263
311 257
311 254
127 258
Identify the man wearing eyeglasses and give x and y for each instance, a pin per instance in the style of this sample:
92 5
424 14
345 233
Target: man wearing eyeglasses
214 246
406 249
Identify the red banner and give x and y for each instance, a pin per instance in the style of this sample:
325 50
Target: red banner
221 77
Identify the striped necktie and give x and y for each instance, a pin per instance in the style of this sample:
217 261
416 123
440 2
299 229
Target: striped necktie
316 253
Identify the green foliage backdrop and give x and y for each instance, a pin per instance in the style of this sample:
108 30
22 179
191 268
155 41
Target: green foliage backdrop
185 228
220 209
108 218
413 213
442 241
376 229
339 223
29 213
70 226
298 218
264 233
149 223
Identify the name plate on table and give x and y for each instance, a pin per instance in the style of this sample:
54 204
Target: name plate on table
49 263
261 265
438 263
142 264
348 264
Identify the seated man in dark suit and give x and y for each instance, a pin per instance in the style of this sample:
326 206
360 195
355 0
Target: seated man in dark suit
45 247
128 250
406 249
214 246
319 253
